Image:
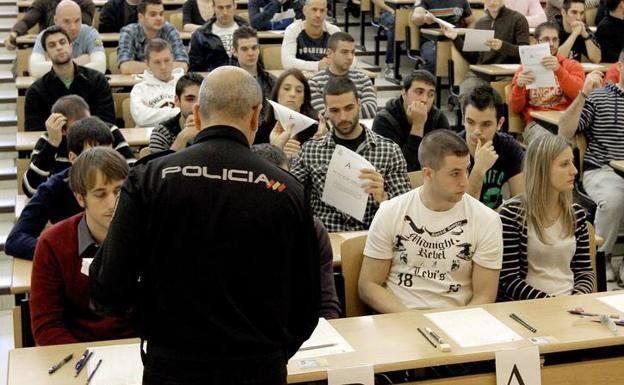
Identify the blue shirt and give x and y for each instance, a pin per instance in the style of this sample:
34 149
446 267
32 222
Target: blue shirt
132 42
87 42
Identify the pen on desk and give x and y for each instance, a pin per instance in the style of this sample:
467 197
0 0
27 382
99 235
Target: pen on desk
579 311
522 322
94 370
317 347
83 364
82 358
56 367
443 346
427 338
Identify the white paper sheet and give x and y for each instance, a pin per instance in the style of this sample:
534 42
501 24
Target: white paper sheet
286 117
361 375
518 366
121 365
473 327
343 187
474 40
615 301
531 58
324 341
86 263
441 22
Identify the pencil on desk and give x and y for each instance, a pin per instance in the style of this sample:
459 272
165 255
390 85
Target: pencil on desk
427 338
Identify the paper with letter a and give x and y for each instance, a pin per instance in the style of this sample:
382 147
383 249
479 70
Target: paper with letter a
473 327
343 187
286 117
615 301
121 365
324 341
475 39
531 58
359 375
518 367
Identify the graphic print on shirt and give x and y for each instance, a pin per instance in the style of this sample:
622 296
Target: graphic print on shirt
432 254
491 192
546 96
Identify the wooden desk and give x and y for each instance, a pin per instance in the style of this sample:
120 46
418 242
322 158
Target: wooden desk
494 70
20 281
336 240
617 165
20 203
136 137
549 117
391 342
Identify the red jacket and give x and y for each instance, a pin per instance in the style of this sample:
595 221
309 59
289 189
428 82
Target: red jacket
59 303
613 74
570 77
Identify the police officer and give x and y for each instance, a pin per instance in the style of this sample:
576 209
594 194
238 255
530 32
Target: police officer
215 249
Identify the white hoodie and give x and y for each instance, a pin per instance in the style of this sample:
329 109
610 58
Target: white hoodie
152 100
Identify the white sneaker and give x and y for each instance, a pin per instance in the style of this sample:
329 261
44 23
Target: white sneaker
388 72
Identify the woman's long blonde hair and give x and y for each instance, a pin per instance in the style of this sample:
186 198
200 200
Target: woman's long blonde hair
537 163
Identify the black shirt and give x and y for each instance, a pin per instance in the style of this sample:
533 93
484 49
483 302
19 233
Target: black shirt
610 36
351 144
310 49
579 49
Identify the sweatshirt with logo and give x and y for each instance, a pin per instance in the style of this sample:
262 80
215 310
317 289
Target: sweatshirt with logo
152 101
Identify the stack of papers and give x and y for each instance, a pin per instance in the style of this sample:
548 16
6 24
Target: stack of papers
324 341
615 301
121 365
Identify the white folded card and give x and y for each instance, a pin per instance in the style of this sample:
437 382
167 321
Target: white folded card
286 117
474 40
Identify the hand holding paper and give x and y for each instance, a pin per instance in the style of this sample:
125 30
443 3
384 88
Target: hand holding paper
476 39
288 117
374 184
531 57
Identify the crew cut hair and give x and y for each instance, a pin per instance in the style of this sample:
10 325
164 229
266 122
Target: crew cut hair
439 144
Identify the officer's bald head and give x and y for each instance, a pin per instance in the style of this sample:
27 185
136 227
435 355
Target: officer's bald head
230 96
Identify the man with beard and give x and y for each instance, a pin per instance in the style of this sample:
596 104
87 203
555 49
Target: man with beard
387 180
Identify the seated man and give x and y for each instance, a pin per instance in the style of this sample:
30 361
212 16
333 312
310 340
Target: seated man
610 32
406 119
59 302
274 14
511 30
496 158
116 14
50 155
596 113
554 7
178 131
211 44
87 47
151 25
569 75
531 9
341 53
53 200
576 38
65 78
41 12
305 41
152 99
387 180
330 305
436 246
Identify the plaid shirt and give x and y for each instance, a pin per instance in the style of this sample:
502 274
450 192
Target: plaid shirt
310 167
132 43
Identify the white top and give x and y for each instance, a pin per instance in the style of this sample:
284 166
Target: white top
432 252
152 101
289 47
225 34
549 264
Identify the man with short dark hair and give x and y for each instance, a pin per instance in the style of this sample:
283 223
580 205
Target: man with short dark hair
151 25
116 14
407 118
387 180
211 44
576 38
341 54
436 246
610 32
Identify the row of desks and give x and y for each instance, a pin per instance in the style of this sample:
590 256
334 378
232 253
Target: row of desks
23 5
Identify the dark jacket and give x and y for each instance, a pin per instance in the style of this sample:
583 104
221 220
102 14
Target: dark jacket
266 81
262 11
90 84
207 51
42 12
52 202
391 122
114 16
610 38
232 231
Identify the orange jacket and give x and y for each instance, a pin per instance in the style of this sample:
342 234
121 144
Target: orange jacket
613 74
570 77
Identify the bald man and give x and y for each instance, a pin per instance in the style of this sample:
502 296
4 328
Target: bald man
87 48
230 229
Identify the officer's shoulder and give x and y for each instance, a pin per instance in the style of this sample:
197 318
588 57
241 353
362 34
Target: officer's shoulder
147 158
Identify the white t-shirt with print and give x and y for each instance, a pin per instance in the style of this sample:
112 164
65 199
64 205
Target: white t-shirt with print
225 34
432 252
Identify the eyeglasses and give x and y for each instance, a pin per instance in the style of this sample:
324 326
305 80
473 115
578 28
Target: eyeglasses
547 40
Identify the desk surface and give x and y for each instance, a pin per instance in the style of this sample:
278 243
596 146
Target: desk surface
551 117
510 69
617 164
25 140
388 342
20 203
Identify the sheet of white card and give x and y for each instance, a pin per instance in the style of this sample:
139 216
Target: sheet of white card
323 335
531 58
86 263
518 366
286 117
121 365
360 375
343 187
474 40
615 301
473 327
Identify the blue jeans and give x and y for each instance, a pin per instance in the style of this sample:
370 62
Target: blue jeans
386 19
428 53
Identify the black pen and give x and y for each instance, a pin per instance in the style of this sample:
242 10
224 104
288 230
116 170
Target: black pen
427 338
522 322
63 362
93 372
82 358
83 364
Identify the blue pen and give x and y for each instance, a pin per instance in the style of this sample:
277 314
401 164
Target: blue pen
82 358
83 364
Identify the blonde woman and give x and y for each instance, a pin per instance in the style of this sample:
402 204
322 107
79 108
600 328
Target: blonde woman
545 237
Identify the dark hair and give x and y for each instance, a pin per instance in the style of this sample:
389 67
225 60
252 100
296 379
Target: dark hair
337 37
306 107
483 97
188 79
438 144
91 131
568 3
73 107
51 31
83 173
155 45
339 85
244 32
545 25
612 4
142 6
418 75
271 153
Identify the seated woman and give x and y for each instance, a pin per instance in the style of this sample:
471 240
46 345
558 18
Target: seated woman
545 236
291 90
195 13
